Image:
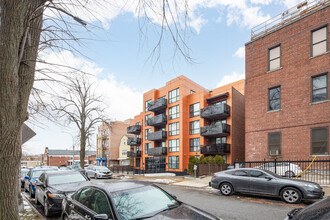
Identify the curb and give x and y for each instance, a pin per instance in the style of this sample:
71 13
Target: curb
33 208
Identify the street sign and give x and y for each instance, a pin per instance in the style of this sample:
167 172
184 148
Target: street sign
195 167
26 133
236 165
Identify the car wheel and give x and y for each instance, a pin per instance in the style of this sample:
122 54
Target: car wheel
46 209
30 191
95 176
226 189
65 217
289 174
291 195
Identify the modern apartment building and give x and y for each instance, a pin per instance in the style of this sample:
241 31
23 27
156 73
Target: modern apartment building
183 119
287 85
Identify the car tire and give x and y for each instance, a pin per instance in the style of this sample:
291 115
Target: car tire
30 191
226 189
289 174
47 212
65 217
291 195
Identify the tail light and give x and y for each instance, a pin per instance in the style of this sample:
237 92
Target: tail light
214 176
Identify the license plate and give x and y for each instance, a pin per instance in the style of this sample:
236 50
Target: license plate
106 175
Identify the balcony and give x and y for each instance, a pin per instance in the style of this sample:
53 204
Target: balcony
157 136
215 130
135 129
157 151
157 121
135 153
157 105
215 149
133 141
215 111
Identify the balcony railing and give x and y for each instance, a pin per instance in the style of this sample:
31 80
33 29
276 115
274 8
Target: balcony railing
214 149
157 151
135 129
157 136
136 153
215 111
133 141
157 105
215 130
158 120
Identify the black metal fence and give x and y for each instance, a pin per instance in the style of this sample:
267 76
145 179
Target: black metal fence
122 169
316 171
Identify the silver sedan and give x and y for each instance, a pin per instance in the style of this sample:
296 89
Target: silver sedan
98 172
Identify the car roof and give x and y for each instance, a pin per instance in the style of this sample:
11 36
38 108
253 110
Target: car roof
42 169
120 185
60 172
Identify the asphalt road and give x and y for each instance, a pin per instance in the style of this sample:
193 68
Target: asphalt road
228 208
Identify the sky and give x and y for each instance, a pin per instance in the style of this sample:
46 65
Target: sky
117 52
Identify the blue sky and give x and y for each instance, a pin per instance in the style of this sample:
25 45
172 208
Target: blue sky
118 55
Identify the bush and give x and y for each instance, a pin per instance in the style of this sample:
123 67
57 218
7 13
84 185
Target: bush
217 160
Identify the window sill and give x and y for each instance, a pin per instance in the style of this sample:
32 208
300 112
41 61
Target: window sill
319 55
274 70
277 110
274 156
323 155
320 102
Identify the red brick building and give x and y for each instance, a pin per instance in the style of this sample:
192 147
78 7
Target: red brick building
287 85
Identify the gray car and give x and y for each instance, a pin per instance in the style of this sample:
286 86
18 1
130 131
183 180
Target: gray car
263 182
98 172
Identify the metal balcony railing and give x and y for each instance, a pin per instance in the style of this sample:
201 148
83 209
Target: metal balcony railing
157 105
216 111
133 141
215 130
158 120
157 136
157 151
135 129
136 153
214 149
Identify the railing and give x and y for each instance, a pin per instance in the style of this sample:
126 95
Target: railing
214 149
157 136
136 153
157 120
215 111
135 129
122 169
157 105
286 17
215 130
157 151
133 141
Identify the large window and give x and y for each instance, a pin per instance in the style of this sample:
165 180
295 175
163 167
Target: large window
319 41
194 127
146 105
147 147
173 129
320 88
221 140
173 162
320 141
274 98
147 131
274 143
173 96
147 117
173 145
194 144
173 112
137 162
274 58
194 110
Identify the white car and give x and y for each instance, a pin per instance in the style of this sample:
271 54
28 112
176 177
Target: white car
98 172
282 168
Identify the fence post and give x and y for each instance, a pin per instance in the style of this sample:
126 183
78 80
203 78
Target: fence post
275 166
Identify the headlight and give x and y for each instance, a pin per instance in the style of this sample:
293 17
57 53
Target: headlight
309 185
56 196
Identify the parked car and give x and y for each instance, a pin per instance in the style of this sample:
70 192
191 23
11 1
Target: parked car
98 172
64 168
127 200
282 168
51 188
232 166
319 210
31 179
264 182
24 172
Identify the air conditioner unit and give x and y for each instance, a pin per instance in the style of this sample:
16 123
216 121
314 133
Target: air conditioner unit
274 152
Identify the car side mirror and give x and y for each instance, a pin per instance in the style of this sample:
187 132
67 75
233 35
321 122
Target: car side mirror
101 217
268 178
26 177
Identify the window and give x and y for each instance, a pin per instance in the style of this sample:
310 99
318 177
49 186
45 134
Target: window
173 145
138 123
274 143
173 112
192 91
221 140
124 152
162 144
147 117
194 127
173 162
84 196
147 133
173 129
100 204
194 110
274 98
147 147
257 174
221 102
319 88
173 96
241 173
320 141
274 58
137 162
319 41
194 144
146 105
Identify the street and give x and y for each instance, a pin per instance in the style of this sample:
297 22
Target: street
210 200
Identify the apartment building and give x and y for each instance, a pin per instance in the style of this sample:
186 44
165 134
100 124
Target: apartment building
183 119
287 85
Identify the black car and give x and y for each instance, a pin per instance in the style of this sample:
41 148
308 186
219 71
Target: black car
127 200
264 182
52 186
319 210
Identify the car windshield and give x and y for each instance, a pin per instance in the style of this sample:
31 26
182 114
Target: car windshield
144 201
24 173
272 174
36 174
101 169
66 178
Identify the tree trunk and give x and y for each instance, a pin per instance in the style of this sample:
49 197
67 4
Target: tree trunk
20 29
82 148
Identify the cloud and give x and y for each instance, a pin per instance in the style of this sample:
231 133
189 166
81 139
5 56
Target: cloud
240 52
262 2
290 3
230 78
